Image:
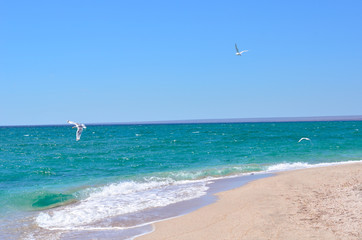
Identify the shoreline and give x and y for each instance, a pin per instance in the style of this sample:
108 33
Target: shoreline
313 203
172 211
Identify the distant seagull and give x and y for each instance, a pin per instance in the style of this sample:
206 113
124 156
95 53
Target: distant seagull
304 139
237 50
79 128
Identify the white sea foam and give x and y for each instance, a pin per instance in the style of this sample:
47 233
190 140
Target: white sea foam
121 198
130 196
301 165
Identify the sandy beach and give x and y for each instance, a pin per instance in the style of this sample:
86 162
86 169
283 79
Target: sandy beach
316 203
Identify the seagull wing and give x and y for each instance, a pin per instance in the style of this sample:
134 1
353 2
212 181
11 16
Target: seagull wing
71 122
236 47
303 138
79 132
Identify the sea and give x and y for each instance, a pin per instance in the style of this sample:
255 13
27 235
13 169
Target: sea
118 179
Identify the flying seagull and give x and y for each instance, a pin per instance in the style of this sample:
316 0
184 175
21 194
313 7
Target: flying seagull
79 128
304 139
237 50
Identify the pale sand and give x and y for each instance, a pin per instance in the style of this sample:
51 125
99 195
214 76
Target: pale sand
316 203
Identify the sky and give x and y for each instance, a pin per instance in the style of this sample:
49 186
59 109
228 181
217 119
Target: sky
129 61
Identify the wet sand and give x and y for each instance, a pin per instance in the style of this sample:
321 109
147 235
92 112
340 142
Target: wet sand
316 203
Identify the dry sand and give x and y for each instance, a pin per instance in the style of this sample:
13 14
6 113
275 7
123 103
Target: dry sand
316 203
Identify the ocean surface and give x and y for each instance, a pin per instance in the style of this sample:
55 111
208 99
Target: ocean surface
118 178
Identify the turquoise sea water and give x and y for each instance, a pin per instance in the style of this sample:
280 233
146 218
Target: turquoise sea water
52 184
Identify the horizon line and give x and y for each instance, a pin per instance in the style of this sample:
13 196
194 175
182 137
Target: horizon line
216 120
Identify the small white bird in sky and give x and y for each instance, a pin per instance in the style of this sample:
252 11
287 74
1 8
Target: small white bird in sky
79 128
304 138
237 50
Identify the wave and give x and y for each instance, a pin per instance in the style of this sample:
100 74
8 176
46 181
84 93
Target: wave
51 200
301 165
121 198
134 196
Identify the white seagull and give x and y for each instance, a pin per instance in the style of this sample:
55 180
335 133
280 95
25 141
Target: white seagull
303 138
79 128
237 50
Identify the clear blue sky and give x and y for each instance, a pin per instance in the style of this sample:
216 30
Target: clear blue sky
121 61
